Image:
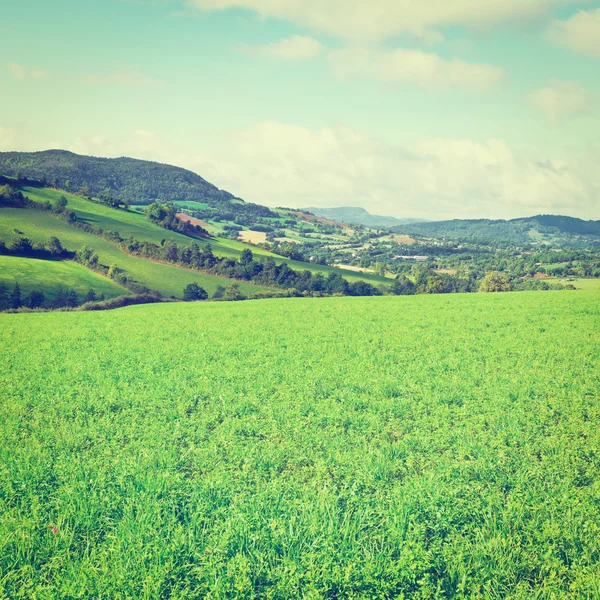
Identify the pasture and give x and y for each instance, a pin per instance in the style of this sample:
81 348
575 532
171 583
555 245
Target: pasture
49 275
398 447
168 279
134 224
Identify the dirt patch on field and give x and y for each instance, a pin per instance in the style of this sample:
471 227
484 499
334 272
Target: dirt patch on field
404 239
187 219
253 237
355 269
542 276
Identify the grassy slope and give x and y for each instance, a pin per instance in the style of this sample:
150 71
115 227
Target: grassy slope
167 279
581 284
49 275
136 225
432 446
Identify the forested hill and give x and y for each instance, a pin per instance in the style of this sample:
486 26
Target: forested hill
518 231
125 179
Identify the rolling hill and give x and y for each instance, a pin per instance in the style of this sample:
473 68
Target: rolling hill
167 279
134 224
359 216
520 231
126 179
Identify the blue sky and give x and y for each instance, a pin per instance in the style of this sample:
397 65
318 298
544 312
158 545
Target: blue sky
429 109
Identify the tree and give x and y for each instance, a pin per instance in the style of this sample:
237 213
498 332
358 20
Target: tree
72 301
247 257
495 282
233 293
434 285
219 292
35 299
15 298
61 204
60 299
71 216
193 292
403 286
21 245
86 256
90 296
380 269
55 246
113 271
4 299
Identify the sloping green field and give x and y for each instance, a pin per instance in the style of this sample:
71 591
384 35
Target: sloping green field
396 447
581 284
169 280
134 224
49 275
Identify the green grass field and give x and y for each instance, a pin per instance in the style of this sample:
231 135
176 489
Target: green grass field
396 447
581 284
169 280
49 275
134 224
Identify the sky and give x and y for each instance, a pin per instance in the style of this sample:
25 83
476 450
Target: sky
433 109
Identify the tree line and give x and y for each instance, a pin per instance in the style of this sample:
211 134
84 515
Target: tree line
63 298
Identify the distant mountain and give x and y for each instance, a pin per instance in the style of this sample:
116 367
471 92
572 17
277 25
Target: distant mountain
519 231
137 181
359 216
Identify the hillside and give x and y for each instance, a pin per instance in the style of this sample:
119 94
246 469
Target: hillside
50 276
125 179
145 257
134 224
559 229
416 447
359 216
167 279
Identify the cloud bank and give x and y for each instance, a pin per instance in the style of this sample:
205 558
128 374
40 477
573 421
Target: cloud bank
382 19
580 33
280 164
426 70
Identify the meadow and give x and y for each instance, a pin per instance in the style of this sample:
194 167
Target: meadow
168 279
50 275
439 446
137 225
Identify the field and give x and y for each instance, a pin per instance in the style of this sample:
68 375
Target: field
582 284
169 280
49 275
254 237
134 224
418 447
130 223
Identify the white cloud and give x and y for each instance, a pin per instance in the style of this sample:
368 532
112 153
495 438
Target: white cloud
559 100
296 47
380 19
580 33
120 78
424 69
21 72
286 165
